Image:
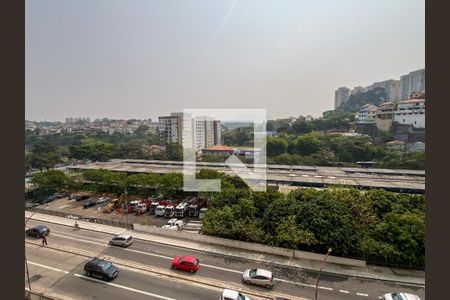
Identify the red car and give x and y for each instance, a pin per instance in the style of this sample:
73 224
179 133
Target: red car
186 263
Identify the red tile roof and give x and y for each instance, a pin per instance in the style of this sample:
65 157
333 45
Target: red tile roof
220 148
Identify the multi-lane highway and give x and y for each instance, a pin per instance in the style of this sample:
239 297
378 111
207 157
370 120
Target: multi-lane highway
145 273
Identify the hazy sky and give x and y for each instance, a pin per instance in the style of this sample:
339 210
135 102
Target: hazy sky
145 58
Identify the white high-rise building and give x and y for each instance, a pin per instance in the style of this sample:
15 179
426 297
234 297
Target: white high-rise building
197 133
206 133
412 82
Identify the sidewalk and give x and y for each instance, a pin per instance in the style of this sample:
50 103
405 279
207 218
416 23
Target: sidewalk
368 272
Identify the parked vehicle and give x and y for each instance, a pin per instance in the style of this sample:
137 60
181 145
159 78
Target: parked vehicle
169 211
90 204
232 295
186 263
101 268
102 200
122 239
153 207
58 195
38 231
202 212
141 208
73 196
258 277
181 210
172 221
193 210
82 197
112 205
400 296
159 212
132 205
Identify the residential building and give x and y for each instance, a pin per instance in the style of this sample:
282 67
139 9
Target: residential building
392 88
176 128
411 112
412 82
341 95
385 116
206 132
366 115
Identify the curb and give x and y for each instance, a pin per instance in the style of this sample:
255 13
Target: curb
251 259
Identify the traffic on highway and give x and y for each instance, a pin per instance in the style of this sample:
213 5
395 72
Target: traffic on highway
122 262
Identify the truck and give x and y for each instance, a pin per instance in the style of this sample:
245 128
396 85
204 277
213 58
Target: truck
169 211
141 208
132 205
159 211
193 210
181 210
153 207
112 205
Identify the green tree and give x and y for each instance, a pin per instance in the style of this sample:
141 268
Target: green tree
174 152
276 146
289 235
44 155
307 144
51 180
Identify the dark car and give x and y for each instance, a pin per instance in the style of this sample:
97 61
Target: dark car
82 197
101 268
38 231
89 204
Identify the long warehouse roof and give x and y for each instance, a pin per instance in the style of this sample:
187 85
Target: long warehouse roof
408 181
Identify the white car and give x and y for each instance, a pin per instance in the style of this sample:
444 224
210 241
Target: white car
232 295
258 277
400 296
102 200
172 221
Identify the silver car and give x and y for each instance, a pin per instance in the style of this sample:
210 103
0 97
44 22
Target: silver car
258 277
400 296
122 239
102 200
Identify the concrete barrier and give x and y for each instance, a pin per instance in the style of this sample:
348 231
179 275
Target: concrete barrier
214 240
331 259
254 247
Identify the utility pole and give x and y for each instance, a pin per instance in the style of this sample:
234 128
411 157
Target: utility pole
318 275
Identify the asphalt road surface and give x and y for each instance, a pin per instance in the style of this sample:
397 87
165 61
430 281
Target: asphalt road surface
62 272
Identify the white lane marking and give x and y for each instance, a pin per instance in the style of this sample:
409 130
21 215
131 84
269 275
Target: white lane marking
303 284
47 267
361 294
332 177
305 175
124 287
204 265
344 291
318 176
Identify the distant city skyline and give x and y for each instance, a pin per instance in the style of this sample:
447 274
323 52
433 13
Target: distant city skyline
145 59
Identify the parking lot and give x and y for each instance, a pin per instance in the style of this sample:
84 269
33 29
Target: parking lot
76 207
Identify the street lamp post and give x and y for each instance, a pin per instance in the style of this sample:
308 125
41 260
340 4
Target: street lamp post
126 204
318 275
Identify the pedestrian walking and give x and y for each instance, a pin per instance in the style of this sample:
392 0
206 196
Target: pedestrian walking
77 227
44 240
